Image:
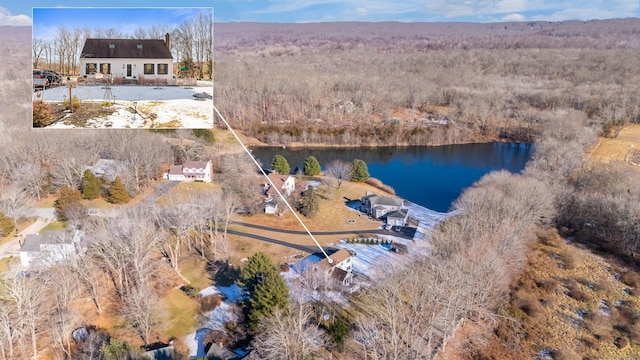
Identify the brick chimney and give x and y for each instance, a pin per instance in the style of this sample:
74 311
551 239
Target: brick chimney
166 41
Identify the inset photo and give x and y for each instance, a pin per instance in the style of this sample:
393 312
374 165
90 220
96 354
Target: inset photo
147 68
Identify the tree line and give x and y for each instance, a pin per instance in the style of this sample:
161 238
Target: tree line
420 95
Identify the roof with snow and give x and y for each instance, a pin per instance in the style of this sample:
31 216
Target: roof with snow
125 48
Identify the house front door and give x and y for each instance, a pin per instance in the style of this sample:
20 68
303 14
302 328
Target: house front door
128 70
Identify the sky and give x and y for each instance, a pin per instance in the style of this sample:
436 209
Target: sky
46 21
19 12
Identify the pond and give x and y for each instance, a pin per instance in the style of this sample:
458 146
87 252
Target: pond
431 176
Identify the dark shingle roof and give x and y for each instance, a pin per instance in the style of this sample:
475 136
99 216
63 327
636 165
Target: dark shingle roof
126 48
32 242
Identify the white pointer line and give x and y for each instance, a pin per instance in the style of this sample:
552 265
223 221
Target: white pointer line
330 260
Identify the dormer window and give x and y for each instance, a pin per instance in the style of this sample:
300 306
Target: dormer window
112 46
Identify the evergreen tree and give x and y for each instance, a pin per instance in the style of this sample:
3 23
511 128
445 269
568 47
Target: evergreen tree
67 202
264 287
257 266
91 186
270 293
309 203
280 165
311 166
118 192
360 171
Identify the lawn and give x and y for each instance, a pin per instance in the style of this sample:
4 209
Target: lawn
332 216
181 316
192 267
609 149
54 225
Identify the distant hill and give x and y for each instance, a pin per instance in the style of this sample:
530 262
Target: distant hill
544 34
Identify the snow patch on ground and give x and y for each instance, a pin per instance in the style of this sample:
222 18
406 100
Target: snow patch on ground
215 319
375 260
173 106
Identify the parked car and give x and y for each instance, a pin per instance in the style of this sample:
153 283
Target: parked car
397 228
52 77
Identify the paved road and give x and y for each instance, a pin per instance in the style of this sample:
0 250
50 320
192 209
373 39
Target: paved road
305 248
12 247
406 233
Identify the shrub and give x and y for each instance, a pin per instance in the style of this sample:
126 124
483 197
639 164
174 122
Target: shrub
190 290
42 114
378 184
74 101
631 278
106 104
339 331
204 134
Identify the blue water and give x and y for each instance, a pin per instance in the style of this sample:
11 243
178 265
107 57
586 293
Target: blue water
429 176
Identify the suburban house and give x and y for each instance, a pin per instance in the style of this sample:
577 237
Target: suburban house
50 247
340 269
105 168
286 184
378 206
128 59
190 171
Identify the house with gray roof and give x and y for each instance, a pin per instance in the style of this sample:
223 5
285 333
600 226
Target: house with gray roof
50 247
190 171
127 59
105 168
398 218
378 206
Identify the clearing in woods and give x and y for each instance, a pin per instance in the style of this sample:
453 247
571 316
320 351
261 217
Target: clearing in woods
625 147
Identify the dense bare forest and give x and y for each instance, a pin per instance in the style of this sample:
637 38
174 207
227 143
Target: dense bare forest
556 84
394 83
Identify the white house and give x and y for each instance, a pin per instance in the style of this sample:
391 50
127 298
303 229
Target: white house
128 59
286 184
51 247
340 269
190 171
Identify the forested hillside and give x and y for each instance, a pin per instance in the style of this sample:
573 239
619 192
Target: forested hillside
427 83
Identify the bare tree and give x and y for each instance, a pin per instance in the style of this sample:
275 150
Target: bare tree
27 296
9 329
126 247
38 48
15 204
141 311
178 218
339 170
90 276
61 288
290 333
31 178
